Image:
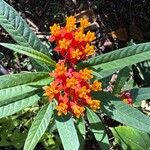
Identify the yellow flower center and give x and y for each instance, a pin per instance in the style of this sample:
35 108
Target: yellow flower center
83 91
72 82
60 69
79 36
76 54
86 73
64 44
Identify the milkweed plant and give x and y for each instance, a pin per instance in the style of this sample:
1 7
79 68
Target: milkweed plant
72 90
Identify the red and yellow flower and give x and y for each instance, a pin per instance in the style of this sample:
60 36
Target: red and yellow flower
72 43
71 88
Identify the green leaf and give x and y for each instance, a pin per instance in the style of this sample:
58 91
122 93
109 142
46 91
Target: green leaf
98 129
29 52
121 79
18 86
12 108
39 126
11 21
81 130
126 114
19 30
139 94
119 58
131 138
101 74
8 81
67 132
16 92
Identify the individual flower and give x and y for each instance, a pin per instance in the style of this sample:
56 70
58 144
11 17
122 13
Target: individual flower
84 23
96 86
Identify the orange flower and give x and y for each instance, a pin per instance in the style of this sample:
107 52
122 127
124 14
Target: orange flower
50 91
83 91
59 70
90 36
64 44
55 29
86 74
72 82
96 86
79 36
70 23
89 50
76 54
62 109
84 23
94 104
78 110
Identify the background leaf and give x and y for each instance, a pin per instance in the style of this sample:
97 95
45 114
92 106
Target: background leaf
81 130
19 30
14 107
67 132
20 86
29 52
39 126
121 79
126 114
21 78
131 138
98 129
11 21
139 94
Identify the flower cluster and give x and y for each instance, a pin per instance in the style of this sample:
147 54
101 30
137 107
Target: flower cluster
72 43
126 96
72 90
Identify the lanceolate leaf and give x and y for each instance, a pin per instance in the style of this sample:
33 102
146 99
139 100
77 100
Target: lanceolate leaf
81 131
121 79
19 86
29 52
131 138
11 21
98 129
7 81
139 94
17 106
67 132
14 93
118 110
18 29
119 58
39 126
